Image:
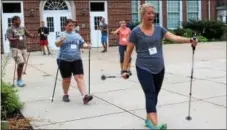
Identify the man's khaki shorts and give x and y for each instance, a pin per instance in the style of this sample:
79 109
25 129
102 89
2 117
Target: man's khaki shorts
19 55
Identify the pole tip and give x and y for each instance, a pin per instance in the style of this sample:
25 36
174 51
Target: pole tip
103 77
188 118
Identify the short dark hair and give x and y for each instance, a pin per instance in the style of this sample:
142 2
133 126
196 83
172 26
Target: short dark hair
15 18
68 21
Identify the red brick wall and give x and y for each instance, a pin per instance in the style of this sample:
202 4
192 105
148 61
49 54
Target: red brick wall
83 4
204 9
184 7
164 12
213 10
32 23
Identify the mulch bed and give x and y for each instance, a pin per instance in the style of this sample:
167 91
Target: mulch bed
18 121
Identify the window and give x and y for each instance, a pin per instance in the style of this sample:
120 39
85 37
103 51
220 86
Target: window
62 22
135 11
173 14
11 8
220 18
97 21
226 19
192 10
156 5
50 24
9 22
55 5
97 6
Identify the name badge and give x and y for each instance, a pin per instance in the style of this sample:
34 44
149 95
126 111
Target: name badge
152 51
20 38
124 39
73 46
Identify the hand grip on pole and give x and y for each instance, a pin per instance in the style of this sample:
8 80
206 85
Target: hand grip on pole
193 47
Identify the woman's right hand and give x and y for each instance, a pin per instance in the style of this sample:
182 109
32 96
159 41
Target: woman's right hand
62 38
125 75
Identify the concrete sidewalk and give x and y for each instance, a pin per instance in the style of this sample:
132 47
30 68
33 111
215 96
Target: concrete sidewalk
120 104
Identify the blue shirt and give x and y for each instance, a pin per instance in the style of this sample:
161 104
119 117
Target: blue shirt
149 49
70 48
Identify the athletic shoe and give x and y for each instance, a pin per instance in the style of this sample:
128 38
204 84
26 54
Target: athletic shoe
20 83
65 98
87 98
159 127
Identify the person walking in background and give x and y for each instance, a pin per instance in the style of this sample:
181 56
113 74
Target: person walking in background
123 33
43 32
104 32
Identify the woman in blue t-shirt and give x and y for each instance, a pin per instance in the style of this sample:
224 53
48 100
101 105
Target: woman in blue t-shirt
147 38
69 60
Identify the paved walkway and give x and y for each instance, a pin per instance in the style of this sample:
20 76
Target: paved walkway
118 103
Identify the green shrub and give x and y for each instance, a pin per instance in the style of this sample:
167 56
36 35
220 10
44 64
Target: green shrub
10 100
201 39
189 33
208 29
179 31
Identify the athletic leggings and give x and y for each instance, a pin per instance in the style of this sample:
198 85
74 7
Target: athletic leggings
151 84
122 50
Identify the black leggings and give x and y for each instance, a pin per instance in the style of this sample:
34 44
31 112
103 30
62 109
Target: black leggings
151 84
122 50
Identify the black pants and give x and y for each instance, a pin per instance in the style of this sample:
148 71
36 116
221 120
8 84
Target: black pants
67 68
151 84
122 50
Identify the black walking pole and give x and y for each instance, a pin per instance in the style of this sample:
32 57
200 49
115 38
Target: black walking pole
52 98
55 83
190 93
89 69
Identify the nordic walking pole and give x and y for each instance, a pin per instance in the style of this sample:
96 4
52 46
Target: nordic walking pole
15 67
190 93
52 98
27 59
89 63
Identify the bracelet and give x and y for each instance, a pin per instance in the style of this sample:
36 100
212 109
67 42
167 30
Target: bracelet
124 71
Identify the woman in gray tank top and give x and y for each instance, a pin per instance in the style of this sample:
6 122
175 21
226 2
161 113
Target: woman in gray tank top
147 38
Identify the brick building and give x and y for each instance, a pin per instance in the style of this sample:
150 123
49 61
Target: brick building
170 14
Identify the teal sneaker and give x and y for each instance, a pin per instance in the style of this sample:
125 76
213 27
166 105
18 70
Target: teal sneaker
158 127
20 83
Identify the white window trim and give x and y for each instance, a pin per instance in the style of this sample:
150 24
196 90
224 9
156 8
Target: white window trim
199 11
181 16
160 13
139 16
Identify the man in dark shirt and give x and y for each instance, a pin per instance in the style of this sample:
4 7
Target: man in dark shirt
43 33
17 37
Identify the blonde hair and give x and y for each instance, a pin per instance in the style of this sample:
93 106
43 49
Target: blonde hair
143 8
